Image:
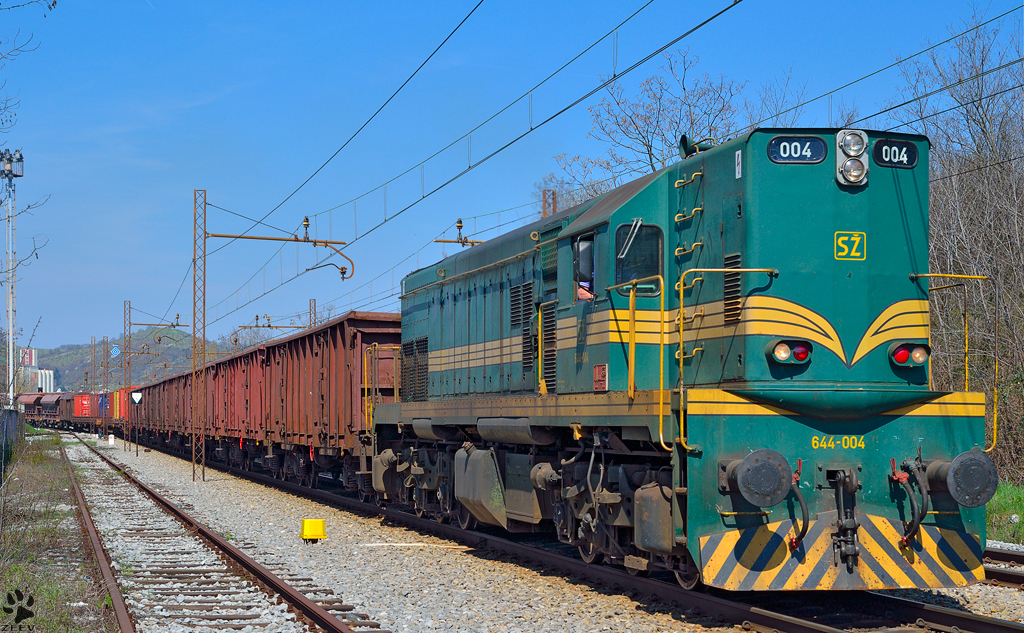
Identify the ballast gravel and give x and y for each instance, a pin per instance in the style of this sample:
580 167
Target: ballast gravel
405 580
412 582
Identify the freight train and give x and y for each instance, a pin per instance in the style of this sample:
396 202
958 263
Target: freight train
721 370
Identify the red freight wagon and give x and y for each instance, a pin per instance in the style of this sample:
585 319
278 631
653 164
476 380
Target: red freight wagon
292 406
82 406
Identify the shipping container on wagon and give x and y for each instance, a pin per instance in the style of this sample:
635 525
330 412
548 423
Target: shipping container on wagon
83 408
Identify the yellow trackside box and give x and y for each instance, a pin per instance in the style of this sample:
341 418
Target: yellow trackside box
313 530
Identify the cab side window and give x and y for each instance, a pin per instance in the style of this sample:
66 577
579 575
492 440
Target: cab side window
638 255
583 267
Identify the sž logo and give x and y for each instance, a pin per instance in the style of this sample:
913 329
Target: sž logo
18 603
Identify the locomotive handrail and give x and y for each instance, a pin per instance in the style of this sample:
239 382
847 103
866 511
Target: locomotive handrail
995 380
682 287
967 372
631 361
369 390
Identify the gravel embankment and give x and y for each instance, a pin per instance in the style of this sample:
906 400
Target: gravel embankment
404 580
412 582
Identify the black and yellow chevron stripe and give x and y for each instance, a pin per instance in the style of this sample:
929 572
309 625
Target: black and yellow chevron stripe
760 559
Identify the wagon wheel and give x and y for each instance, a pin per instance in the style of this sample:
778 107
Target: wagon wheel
590 553
466 519
688 579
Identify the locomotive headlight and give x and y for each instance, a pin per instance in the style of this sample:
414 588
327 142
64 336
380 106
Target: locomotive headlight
853 170
782 352
919 355
852 158
853 144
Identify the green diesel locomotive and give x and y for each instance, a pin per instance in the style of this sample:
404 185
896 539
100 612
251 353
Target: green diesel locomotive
720 369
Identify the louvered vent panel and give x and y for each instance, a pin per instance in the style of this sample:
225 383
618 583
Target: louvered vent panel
550 347
526 315
549 257
422 368
732 290
515 303
408 371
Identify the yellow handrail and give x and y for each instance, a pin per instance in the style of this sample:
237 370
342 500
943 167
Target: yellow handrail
995 385
967 371
661 347
683 251
368 405
682 287
683 218
682 183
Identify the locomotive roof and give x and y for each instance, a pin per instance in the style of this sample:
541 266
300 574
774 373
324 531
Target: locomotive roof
577 219
573 220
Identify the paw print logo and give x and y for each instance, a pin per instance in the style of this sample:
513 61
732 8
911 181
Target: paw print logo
18 600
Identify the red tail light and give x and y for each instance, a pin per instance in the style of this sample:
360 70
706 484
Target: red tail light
800 352
901 355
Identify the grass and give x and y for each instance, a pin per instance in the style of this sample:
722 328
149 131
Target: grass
1009 501
36 530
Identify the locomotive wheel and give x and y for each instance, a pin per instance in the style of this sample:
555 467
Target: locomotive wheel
636 572
590 553
688 579
466 519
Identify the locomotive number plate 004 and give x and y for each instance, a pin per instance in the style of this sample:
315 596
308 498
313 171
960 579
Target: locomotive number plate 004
831 441
892 153
796 149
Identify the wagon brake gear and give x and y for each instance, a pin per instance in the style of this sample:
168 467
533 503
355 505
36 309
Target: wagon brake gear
844 540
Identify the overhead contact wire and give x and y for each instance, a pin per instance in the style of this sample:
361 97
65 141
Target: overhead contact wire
361 127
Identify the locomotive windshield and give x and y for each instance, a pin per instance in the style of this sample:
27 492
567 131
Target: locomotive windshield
638 256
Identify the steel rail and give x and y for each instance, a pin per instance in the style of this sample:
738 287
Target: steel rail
940 618
1003 577
306 607
124 620
996 555
750 617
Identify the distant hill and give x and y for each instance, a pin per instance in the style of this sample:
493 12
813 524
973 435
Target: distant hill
166 352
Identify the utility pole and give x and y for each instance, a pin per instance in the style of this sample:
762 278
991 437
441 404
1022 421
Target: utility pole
312 313
549 203
126 368
199 332
11 166
90 385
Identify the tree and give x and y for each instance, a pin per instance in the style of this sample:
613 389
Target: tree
642 132
970 102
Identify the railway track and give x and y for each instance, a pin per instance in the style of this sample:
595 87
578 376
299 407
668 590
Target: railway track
176 573
886 612
1004 568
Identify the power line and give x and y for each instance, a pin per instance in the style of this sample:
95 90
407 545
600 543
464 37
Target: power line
498 113
244 217
979 168
957 106
365 123
516 139
941 89
880 70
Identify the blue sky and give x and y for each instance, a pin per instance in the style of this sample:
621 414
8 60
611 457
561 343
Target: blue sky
128 106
